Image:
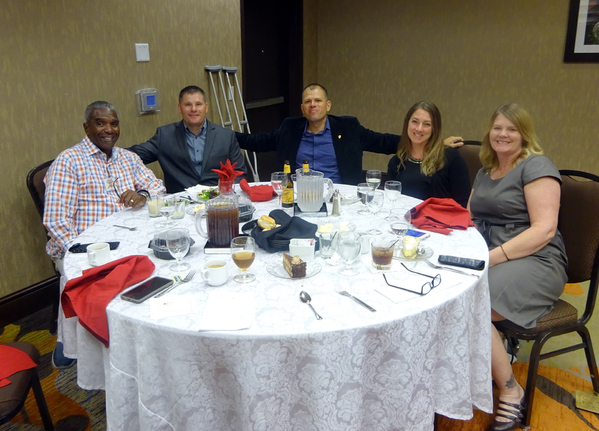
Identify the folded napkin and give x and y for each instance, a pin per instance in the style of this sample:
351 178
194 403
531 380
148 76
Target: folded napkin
12 361
87 296
228 172
258 193
277 239
440 215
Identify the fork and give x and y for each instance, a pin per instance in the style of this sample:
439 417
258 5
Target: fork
178 281
362 303
125 227
450 269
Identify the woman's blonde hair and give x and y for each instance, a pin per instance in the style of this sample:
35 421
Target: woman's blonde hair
434 150
519 118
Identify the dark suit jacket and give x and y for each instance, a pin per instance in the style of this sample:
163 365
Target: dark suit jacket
350 139
169 147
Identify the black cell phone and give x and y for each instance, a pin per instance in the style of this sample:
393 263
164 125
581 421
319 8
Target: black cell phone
462 262
82 248
148 288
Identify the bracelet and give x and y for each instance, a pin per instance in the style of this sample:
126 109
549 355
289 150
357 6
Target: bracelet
504 253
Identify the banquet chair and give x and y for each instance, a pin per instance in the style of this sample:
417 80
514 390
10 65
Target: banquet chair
37 189
470 151
13 396
579 225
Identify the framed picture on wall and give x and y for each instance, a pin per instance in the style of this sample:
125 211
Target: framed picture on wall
582 39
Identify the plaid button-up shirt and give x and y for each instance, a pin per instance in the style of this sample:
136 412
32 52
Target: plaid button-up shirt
82 187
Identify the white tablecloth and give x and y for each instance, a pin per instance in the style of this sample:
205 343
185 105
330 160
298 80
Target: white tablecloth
353 370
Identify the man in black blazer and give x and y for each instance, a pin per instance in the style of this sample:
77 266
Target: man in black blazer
189 149
331 144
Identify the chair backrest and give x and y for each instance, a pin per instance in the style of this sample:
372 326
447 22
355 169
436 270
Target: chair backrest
470 151
579 225
36 186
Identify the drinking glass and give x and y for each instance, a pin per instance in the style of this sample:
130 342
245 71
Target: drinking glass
167 210
362 191
392 194
178 242
404 218
373 178
243 252
276 181
375 200
348 247
325 244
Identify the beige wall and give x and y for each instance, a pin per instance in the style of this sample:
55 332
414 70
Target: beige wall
57 57
468 57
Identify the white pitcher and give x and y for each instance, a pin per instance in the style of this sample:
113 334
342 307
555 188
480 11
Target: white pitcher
311 190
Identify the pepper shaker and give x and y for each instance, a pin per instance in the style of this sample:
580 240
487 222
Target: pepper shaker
336 204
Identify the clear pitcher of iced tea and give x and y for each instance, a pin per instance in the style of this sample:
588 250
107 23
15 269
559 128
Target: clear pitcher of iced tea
222 220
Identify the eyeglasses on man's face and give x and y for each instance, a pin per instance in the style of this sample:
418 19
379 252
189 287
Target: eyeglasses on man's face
425 288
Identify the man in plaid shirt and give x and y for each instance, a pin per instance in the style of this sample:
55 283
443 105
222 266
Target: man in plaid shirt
88 182
92 180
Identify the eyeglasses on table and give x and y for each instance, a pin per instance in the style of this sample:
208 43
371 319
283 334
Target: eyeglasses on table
426 287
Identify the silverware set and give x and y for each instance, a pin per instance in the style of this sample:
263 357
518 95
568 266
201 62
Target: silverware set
178 281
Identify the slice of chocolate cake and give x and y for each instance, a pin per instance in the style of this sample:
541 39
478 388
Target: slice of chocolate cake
295 267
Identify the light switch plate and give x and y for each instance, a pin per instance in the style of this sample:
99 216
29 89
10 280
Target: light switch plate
142 52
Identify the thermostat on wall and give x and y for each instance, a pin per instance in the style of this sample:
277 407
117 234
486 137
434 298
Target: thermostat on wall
147 101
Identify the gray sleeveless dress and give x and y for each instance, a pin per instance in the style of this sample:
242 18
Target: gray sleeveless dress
525 289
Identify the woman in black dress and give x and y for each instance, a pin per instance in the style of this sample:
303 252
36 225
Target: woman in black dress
423 164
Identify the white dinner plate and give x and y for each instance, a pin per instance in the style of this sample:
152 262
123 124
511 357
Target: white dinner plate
277 269
398 254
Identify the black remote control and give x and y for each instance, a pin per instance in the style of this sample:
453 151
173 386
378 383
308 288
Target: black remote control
462 262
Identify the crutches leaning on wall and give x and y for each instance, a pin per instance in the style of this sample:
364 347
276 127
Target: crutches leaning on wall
230 95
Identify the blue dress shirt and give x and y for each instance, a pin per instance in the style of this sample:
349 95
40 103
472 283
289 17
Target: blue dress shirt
195 145
318 149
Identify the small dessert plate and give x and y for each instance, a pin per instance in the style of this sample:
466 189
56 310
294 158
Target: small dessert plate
398 254
349 199
277 269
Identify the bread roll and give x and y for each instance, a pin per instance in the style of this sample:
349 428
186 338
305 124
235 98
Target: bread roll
266 222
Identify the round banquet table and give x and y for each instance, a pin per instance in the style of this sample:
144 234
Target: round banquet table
392 369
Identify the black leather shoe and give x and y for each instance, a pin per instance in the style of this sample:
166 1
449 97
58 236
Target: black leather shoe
516 416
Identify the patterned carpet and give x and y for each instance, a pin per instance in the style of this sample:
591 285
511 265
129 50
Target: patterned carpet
75 409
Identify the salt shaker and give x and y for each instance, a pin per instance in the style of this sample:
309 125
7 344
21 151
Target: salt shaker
336 204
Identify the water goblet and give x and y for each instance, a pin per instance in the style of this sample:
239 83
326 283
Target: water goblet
167 210
178 243
276 181
243 252
373 178
362 191
375 201
404 219
392 194
348 247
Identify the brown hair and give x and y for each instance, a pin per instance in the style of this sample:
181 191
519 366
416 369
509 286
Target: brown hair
434 150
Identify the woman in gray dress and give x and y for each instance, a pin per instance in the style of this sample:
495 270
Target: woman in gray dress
515 204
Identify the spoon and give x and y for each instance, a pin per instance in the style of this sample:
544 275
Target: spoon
125 227
306 298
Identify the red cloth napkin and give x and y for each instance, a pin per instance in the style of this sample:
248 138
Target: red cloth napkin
227 172
12 361
257 193
440 215
89 295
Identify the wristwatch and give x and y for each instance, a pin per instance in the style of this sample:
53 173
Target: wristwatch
144 193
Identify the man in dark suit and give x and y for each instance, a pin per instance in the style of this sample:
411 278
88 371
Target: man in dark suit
331 144
189 149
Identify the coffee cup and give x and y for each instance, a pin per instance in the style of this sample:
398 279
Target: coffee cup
215 272
98 253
